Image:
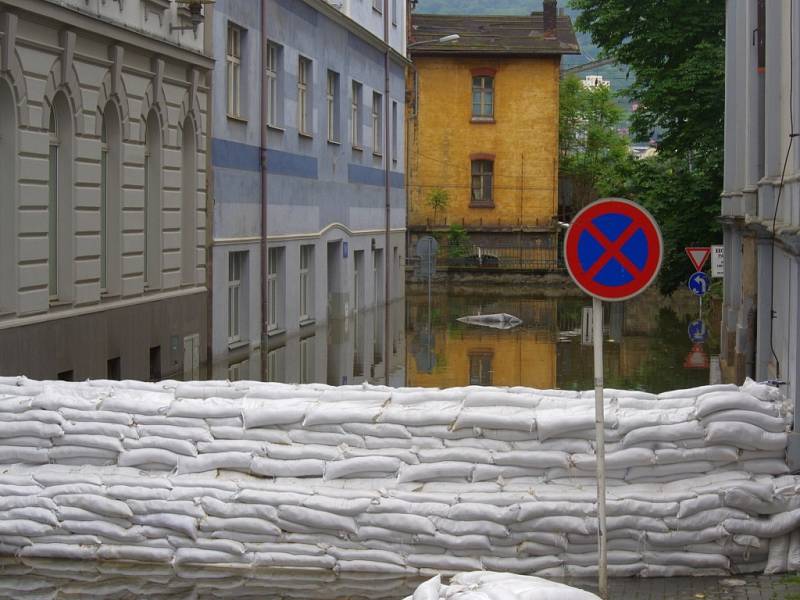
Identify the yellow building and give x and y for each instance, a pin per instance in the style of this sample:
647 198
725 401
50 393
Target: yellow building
483 126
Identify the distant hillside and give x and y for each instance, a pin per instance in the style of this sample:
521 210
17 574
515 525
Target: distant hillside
510 7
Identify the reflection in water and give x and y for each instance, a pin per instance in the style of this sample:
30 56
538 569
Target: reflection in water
22 579
646 345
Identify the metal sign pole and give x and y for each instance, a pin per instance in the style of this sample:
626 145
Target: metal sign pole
600 451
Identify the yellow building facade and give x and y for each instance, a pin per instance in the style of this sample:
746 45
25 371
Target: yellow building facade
483 126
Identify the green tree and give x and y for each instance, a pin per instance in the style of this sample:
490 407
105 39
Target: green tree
438 199
676 50
590 146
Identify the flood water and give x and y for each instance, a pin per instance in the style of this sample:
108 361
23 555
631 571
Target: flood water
646 344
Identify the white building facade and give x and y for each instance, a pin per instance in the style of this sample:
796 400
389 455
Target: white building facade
761 313
103 125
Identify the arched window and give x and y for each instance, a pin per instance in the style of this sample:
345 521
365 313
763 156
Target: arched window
110 190
152 201
189 204
8 199
60 200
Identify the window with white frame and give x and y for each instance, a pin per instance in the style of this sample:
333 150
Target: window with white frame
234 64
306 282
236 272
355 114
275 289
377 123
273 71
483 97
332 98
304 95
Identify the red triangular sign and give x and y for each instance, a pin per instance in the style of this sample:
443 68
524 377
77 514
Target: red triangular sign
698 256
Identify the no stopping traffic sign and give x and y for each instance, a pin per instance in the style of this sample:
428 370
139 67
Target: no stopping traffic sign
613 249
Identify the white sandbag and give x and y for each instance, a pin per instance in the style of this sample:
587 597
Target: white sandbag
354 467
317 518
299 436
216 460
258 412
459 454
544 508
766 422
744 435
761 391
640 508
287 468
778 555
380 430
177 446
473 511
734 400
96 504
93 428
147 554
24 454
434 471
407 456
145 456
461 543
105 529
481 443
560 524
430 590
561 423
339 506
204 408
479 398
342 412
70 513
369 566
289 560
262 435
251 446
31 442
125 492
30 429
428 413
145 507
399 522
137 402
31 513
24 528
13 502
538 460
367 532
218 508
505 473
793 554
68 551
765 466
177 523
105 417
192 434
272 498
487 528
497 417
663 433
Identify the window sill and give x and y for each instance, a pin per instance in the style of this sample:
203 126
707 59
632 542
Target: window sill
276 128
308 321
303 134
274 332
334 142
236 345
377 155
482 120
237 118
482 205
358 148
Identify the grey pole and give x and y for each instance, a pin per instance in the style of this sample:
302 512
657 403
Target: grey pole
600 451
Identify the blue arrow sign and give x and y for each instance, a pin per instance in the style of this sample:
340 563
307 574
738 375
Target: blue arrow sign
699 284
698 332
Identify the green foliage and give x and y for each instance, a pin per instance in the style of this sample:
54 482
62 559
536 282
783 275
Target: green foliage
684 202
676 49
458 244
589 143
438 199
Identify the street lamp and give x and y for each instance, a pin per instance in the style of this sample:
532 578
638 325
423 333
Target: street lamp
453 37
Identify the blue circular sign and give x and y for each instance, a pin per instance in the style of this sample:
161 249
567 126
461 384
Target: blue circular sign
698 332
699 283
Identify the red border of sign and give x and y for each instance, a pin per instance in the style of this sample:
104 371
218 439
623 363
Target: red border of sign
705 249
651 231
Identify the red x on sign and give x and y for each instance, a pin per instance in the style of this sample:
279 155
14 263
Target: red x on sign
613 249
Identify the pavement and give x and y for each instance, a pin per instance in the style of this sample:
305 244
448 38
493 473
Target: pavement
762 587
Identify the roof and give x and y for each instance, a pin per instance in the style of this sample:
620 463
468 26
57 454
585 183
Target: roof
498 35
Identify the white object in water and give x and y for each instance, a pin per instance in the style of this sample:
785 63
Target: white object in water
496 321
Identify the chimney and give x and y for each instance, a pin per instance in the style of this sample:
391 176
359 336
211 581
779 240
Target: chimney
549 19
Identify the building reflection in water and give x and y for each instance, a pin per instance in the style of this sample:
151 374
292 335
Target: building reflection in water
645 345
446 353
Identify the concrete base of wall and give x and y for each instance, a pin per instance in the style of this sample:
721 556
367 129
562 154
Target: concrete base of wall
152 340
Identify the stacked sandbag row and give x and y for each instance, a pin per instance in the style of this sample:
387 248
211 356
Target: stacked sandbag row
713 525
39 579
468 434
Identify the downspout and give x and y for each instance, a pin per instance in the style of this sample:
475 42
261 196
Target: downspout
387 189
263 168
208 45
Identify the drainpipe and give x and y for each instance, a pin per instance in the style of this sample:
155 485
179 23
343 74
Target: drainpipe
208 45
263 167
387 188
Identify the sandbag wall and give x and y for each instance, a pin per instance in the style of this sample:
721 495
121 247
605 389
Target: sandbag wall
402 481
